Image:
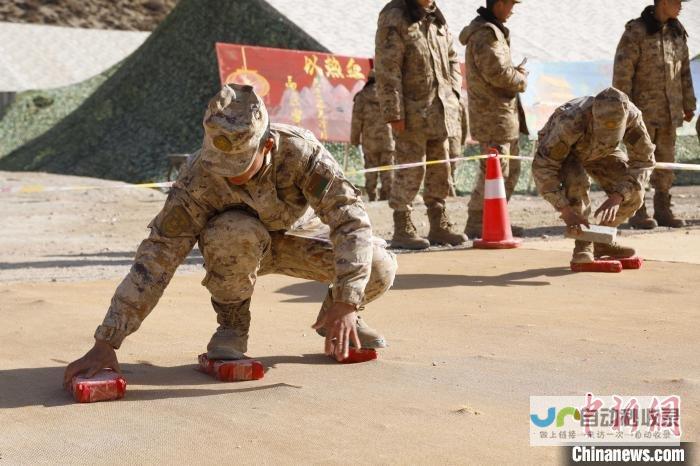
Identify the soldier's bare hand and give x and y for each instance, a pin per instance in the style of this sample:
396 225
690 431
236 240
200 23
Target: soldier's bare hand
689 116
398 126
101 356
609 208
573 219
340 322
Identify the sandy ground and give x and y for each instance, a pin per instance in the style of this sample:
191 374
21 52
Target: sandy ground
473 334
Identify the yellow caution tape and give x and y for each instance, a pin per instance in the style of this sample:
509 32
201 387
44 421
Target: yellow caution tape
33 189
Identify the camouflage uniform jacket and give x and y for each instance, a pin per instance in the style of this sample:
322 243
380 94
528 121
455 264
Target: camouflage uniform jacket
493 83
299 173
367 127
653 69
417 68
568 133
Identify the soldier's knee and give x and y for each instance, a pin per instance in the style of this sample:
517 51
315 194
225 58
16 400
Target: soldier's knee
235 232
634 201
384 267
228 288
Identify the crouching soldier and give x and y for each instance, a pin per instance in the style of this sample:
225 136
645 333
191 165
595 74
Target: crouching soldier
249 198
582 138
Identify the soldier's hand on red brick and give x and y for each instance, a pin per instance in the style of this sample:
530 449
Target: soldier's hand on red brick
398 126
101 356
689 115
609 208
340 322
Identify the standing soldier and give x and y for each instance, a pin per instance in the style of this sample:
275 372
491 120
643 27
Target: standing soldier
457 144
493 84
248 198
581 138
418 83
374 135
652 67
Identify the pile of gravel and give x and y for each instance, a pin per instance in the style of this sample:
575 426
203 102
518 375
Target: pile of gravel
149 105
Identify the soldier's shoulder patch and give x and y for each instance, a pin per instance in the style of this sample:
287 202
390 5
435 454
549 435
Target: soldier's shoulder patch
634 135
319 183
175 222
559 150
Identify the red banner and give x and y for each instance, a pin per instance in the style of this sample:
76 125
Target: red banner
309 89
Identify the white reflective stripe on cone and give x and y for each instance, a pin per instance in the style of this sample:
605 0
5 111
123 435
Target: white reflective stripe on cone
494 189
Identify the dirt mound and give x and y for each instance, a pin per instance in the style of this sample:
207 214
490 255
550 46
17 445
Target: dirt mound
153 103
140 15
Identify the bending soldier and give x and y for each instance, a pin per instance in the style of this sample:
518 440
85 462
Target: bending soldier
580 139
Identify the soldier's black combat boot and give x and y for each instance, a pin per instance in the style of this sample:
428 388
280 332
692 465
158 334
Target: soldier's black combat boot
641 220
662 211
441 228
405 233
371 196
369 338
231 338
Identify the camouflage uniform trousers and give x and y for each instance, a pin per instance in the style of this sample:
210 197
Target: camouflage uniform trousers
665 141
379 159
606 173
237 248
456 150
511 172
416 146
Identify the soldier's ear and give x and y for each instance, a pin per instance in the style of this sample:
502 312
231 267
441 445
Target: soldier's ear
269 144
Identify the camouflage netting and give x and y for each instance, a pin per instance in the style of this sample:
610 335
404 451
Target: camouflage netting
152 103
122 123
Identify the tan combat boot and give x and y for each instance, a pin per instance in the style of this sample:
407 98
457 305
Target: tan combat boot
662 211
641 220
369 338
441 228
231 338
583 252
613 251
405 233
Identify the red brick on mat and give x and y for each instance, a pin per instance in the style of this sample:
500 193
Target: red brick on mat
232 370
104 386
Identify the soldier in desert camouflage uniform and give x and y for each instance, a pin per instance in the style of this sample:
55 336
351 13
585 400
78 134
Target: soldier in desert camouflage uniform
493 83
418 84
249 198
652 67
457 144
581 138
370 131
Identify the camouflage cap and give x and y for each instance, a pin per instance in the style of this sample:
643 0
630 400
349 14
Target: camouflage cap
234 123
610 109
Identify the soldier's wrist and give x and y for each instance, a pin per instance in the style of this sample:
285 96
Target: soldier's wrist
110 335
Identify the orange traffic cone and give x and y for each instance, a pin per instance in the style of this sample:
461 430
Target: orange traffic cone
496 232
